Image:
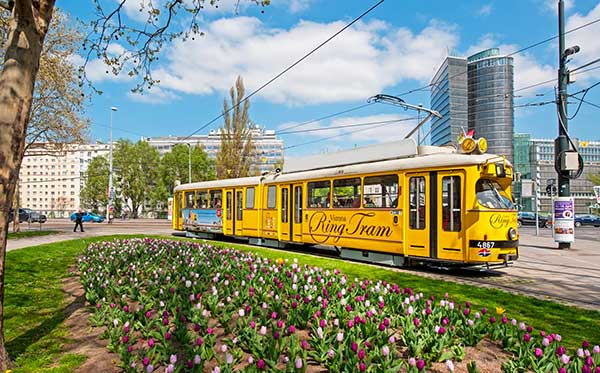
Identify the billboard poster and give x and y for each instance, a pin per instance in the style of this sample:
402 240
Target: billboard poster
564 219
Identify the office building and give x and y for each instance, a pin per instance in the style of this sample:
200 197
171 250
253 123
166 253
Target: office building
268 149
449 98
540 153
51 178
475 93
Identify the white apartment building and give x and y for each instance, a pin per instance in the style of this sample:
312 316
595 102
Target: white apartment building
51 179
268 149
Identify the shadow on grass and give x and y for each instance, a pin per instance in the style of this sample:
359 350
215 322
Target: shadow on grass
20 344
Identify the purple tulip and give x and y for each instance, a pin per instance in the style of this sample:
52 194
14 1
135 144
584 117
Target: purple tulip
199 341
442 330
150 342
304 344
585 344
562 370
420 364
146 361
361 354
381 327
167 336
125 339
416 322
526 337
445 321
260 364
466 311
483 311
279 324
362 367
291 329
130 349
538 352
492 319
148 314
125 308
210 330
323 323
354 346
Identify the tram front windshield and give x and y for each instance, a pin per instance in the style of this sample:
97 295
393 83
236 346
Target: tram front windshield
490 194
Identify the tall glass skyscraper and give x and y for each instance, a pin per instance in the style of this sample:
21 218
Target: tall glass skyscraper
491 111
449 98
475 93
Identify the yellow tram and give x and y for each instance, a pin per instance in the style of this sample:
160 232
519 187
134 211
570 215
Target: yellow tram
395 204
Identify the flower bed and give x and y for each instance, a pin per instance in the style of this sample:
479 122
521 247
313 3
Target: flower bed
182 306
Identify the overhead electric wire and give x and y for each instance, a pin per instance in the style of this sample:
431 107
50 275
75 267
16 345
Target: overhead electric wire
325 117
508 55
582 99
347 126
285 70
587 102
344 134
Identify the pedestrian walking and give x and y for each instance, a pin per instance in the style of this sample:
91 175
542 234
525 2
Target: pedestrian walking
78 220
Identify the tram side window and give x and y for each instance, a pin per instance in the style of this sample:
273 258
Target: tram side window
346 193
202 200
298 204
284 205
318 194
417 203
381 191
272 197
216 198
189 200
249 198
451 207
229 203
239 205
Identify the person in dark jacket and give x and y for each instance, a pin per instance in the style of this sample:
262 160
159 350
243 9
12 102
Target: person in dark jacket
78 220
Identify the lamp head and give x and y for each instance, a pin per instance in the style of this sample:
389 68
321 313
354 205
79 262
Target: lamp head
113 108
569 51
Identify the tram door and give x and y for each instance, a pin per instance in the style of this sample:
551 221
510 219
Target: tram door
450 237
417 221
229 209
238 216
297 212
285 221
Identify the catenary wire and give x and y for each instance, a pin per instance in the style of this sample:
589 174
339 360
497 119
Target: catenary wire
285 70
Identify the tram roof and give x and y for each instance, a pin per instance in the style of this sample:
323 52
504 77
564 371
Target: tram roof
427 157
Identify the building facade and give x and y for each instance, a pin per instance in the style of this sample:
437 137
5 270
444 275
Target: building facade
490 99
540 153
51 179
268 149
475 93
449 98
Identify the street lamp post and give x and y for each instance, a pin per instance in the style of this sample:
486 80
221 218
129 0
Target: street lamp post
111 191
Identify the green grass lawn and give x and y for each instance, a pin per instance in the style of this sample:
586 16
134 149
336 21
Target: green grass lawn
35 306
26 234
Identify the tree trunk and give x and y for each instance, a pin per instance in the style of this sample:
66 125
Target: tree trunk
15 204
28 25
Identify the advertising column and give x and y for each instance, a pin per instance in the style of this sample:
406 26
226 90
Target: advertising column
564 219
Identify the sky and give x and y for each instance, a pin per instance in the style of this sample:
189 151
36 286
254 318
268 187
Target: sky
394 49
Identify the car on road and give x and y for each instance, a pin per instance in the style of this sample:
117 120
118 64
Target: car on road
27 215
528 218
587 219
88 217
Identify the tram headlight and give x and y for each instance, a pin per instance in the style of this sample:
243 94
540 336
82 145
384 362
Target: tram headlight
512 234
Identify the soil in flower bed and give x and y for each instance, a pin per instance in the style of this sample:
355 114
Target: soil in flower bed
172 306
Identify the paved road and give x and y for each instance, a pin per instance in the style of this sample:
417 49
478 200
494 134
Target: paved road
568 276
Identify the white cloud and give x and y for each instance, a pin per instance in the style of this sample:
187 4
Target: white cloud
138 9
297 6
485 10
360 62
588 41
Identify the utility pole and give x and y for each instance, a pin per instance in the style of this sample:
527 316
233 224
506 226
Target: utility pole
561 144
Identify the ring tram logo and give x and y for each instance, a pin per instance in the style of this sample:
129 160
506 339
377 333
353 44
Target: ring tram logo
498 221
323 227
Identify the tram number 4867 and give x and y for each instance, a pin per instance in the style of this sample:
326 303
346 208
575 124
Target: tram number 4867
485 244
